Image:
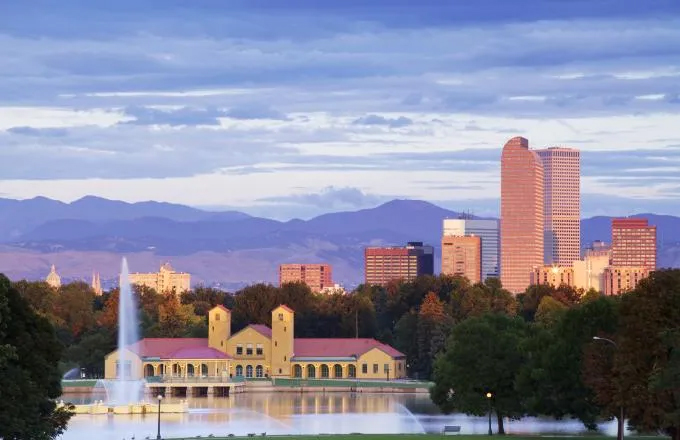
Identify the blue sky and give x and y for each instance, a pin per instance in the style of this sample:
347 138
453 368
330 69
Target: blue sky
296 108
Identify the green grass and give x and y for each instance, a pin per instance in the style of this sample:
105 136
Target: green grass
79 383
420 437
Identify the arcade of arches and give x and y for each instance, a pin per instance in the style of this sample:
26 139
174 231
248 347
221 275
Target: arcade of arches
324 371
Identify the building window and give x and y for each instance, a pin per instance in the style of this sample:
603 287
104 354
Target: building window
284 328
285 358
249 349
399 366
217 316
221 343
375 368
352 371
259 350
364 368
259 371
276 344
239 371
280 316
386 368
239 349
280 371
249 371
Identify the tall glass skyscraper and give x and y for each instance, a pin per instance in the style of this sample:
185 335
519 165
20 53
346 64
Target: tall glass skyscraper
488 232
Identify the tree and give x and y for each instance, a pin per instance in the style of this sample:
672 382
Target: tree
647 316
74 307
483 355
30 380
176 319
432 329
552 381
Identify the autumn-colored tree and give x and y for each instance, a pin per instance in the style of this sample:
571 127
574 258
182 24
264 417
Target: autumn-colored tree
42 298
108 317
174 318
432 330
74 307
549 311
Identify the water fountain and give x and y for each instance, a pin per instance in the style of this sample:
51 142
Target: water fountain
125 393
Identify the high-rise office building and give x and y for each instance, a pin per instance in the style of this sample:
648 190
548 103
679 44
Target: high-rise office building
462 256
316 276
385 264
562 205
633 243
488 232
522 214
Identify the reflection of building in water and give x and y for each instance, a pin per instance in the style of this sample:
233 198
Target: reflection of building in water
53 278
166 280
259 351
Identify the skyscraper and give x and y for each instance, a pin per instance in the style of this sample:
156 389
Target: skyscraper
521 214
384 264
462 256
487 231
316 276
633 243
562 205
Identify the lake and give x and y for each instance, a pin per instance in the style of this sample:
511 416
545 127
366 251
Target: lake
308 413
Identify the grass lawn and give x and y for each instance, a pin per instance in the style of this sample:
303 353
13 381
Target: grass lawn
422 437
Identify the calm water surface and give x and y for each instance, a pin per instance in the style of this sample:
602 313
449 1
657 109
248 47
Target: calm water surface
294 413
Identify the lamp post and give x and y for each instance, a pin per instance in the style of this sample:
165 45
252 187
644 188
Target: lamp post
489 396
158 435
621 427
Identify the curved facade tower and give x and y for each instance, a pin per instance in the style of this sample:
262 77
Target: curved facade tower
522 216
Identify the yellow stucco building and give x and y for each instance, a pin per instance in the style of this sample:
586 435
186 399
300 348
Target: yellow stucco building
164 281
259 351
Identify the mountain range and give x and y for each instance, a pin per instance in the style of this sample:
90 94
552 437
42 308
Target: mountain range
227 248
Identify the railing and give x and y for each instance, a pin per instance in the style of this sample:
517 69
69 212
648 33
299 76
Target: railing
349 382
189 379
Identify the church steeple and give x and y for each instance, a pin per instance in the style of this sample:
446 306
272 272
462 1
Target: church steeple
96 284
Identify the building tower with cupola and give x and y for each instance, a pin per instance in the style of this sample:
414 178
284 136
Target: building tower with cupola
283 340
53 278
219 328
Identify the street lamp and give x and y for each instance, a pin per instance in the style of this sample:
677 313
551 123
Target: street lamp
158 436
620 429
489 396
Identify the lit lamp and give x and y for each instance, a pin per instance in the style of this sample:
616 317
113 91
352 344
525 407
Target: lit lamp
159 397
489 396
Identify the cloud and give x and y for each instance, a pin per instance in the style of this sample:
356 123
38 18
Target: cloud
38 132
330 198
399 122
174 117
255 111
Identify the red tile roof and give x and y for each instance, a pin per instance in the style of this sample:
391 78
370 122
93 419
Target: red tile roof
262 329
176 348
340 347
286 308
221 307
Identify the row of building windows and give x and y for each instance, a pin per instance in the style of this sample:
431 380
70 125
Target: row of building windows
259 371
259 350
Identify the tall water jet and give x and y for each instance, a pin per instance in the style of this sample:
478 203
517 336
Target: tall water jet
127 388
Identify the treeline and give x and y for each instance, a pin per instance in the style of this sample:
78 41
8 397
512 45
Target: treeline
415 317
565 355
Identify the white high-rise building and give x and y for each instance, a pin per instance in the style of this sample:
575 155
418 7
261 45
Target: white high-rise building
488 232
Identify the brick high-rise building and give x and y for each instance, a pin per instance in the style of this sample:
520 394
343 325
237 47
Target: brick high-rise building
618 280
462 256
521 214
385 264
562 205
316 276
633 243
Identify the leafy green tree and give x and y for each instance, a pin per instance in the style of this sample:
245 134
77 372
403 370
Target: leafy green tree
647 315
406 340
552 381
90 351
30 380
483 355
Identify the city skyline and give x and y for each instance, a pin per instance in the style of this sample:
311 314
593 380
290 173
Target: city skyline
363 104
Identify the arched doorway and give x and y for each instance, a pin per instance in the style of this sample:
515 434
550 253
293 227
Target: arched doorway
148 370
204 370
190 370
161 370
352 371
337 371
311 371
239 371
259 371
297 370
249 371
324 371
176 370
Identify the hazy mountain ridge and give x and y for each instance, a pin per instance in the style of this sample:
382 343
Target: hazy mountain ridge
202 242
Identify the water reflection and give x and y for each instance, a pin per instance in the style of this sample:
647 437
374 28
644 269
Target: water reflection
294 413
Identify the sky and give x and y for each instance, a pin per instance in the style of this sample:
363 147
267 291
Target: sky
296 108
